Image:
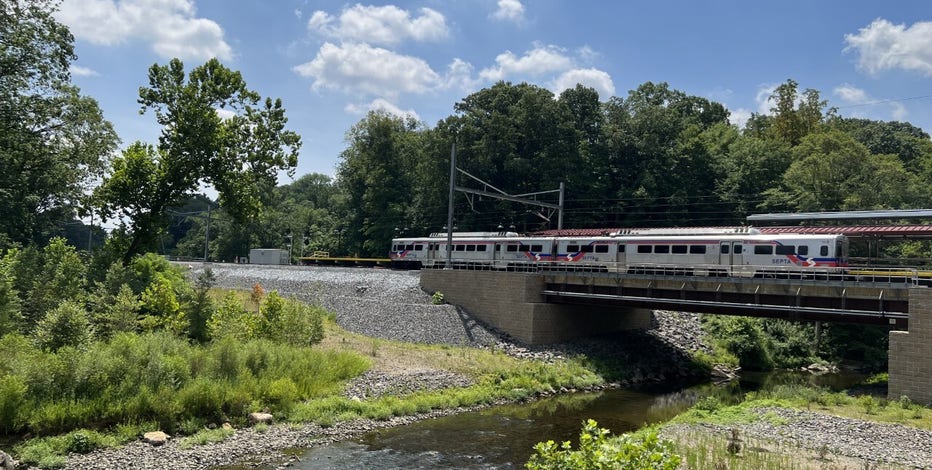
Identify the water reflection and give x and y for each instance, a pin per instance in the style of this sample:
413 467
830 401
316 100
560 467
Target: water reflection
502 437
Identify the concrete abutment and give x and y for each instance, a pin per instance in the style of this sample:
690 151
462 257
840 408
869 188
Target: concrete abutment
910 352
514 303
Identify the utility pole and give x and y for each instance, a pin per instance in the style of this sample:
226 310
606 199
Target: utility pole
449 264
207 233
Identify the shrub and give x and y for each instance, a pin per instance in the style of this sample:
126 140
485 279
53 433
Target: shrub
12 403
232 320
66 325
437 298
598 450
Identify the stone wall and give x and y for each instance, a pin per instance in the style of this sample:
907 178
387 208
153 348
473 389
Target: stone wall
910 361
514 303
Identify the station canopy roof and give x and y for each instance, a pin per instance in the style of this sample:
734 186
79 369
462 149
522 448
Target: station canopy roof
851 231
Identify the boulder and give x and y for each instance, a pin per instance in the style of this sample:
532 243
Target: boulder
227 426
7 462
256 418
155 438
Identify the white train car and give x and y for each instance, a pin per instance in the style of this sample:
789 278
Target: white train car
700 252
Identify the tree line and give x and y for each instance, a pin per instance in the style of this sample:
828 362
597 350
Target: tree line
656 157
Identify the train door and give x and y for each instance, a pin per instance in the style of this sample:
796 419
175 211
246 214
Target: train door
620 264
731 257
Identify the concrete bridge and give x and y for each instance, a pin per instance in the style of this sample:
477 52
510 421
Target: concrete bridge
549 307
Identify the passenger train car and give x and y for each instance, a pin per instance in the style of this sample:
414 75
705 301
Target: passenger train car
740 252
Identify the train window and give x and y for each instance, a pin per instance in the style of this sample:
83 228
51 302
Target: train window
738 250
697 249
823 251
459 248
480 247
537 248
586 249
409 247
785 249
524 248
621 248
763 249
726 249
678 249
572 248
802 250
418 247
644 248
512 248
661 248
470 247
601 248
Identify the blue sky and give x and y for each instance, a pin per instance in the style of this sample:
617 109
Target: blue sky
330 62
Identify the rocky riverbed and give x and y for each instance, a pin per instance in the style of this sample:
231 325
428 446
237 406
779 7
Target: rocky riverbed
390 305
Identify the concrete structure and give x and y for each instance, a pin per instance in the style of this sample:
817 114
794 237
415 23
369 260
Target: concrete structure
268 256
910 353
540 309
514 303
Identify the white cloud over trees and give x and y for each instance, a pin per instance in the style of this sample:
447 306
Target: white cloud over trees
170 26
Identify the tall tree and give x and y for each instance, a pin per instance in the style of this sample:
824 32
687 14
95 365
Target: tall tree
239 152
376 175
53 141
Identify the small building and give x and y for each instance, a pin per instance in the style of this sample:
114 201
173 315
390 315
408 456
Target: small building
268 256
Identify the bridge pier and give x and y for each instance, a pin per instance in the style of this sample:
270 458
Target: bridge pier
910 352
515 304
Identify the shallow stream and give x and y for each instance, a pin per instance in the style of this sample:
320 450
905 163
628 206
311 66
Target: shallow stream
503 437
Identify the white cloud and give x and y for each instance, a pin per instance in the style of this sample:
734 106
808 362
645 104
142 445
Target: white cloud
224 113
536 62
851 94
361 68
383 105
171 26
883 45
593 78
459 76
858 98
79 71
762 98
509 10
384 25
739 117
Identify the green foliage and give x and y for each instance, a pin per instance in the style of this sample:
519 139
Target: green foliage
206 436
53 141
12 403
201 307
48 277
10 314
232 320
597 450
741 336
437 298
66 325
159 300
240 156
159 377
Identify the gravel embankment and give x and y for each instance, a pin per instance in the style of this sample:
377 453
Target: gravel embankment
876 443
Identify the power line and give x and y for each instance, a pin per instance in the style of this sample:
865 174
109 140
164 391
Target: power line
891 100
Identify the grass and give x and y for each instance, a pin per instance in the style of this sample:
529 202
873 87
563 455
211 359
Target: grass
205 436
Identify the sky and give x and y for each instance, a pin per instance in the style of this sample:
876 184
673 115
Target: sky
331 62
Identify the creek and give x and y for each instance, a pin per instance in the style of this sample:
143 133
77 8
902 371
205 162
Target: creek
502 437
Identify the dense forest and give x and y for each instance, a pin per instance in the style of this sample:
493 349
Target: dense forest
658 157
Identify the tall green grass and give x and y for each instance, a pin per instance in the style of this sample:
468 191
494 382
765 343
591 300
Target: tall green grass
159 377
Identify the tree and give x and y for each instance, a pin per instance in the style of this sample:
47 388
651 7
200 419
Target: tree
53 141
375 174
215 131
794 116
832 171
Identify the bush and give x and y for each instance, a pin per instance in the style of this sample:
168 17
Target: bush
66 325
597 451
12 403
232 320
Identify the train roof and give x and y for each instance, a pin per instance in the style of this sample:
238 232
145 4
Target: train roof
851 231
